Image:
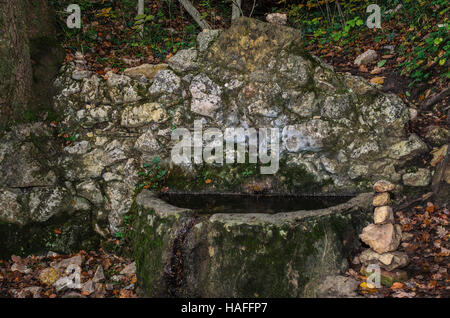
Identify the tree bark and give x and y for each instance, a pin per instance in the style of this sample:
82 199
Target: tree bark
29 58
195 14
16 76
236 10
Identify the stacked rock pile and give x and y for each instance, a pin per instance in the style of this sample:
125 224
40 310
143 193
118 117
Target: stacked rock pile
81 69
384 237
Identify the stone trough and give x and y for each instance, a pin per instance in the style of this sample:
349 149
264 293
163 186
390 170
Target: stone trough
182 253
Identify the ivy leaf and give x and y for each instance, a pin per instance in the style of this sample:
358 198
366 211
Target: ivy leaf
381 63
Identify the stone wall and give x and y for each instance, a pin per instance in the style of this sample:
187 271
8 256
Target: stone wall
338 132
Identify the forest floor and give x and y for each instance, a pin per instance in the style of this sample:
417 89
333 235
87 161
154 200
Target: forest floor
110 42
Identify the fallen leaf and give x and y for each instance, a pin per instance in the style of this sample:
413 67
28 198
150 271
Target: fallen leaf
378 80
397 285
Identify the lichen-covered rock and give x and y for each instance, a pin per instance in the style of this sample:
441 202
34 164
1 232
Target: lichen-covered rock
206 98
47 202
407 149
31 172
437 136
280 255
205 38
11 207
165 82
184 60
419 178
139 116
90 191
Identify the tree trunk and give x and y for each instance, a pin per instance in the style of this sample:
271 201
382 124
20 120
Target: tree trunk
236 11
15 60
29 58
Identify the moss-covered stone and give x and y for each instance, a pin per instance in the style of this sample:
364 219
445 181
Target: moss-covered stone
62 234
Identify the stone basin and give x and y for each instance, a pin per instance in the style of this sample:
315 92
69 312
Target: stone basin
182 253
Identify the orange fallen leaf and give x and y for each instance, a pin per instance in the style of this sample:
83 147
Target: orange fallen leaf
58 231
378 80
208 181
377 70
397 285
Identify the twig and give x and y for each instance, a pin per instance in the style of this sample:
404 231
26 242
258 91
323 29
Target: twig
253 8
435 99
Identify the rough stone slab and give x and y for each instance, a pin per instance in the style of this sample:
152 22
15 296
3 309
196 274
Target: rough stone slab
382 238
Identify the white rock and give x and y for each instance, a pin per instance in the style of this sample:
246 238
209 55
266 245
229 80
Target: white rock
366 57
383 214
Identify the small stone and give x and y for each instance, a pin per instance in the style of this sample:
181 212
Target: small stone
381 199
62 265
130 269
382 238
366 58
18 267
437 136
413 113
99 274
184 60
383 215
73 294
206 96
205 38
88 287
388 261
420 178
100 290
49 276
65 283
147 70
33 291
138 116
338 286
383 186
52 254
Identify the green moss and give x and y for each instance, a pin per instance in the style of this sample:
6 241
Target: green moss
76 234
